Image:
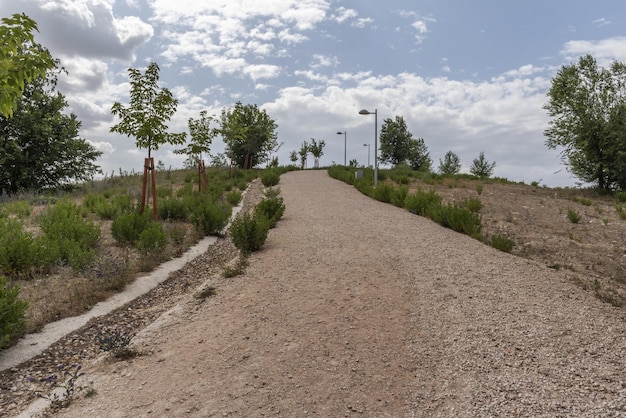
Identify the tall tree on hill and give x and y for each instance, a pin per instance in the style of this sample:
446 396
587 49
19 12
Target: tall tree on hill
587 104
249 134
39 144
397 145
317 150
450 165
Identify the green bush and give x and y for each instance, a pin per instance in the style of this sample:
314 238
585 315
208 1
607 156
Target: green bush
21 208
472 204
502 243
12 311
457 218
270 177
573 216
383 192
18 249
249 232
67 235
271 208
127 227
123 202
173 209
210 216
621 196
420 201
152 240
399 196
234 197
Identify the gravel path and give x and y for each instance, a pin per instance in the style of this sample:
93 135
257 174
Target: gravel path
356 307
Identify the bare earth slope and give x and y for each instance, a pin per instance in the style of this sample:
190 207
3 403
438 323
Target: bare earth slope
355 307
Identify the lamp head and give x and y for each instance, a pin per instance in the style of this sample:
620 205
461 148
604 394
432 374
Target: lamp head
340 133
364 112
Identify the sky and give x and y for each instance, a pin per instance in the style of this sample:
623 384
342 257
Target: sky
466 76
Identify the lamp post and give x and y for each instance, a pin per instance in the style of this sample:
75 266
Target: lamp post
368 154
345 142
375 113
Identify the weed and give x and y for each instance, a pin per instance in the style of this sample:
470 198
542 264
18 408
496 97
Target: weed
420 201
383 192
210 216
152 240
207 292
502 243
479 188
117 343
237 268
128 226
18 248
234 197
61 386
271 192
399 196
249 232
573 216
472 204
272 209
12 313
556 267
270 177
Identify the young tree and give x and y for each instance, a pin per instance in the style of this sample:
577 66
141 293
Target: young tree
149 109
419 157
317 150
249 134
451 164
293 156
21 60
201 135
395 141
481 167
304 152
39 145
586 104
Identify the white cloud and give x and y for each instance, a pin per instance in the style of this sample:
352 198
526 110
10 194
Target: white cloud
259 71
362 22
602 22
105 147
342 14
604 51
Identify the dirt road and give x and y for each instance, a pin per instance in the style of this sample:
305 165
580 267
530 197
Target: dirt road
356 307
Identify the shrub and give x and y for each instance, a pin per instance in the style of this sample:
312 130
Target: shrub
152 240
472 204
270 177
67 235
21 208
272 209
249 232
173 209
420 201
12 311
210 216
621 196
127 227
383 192
573 216
18 249
399 195
234 197
502 243
271 192
457 218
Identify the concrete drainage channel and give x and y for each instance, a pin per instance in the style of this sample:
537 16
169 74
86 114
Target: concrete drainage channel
31 345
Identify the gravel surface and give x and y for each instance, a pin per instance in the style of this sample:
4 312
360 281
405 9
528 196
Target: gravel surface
355 307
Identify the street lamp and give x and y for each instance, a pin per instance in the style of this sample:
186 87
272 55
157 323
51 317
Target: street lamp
368 154
345 142
375 113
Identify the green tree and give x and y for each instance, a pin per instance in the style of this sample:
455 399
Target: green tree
395 141
39 145
419 157
587 104
317 150
249 134
304 152
21 60
293 156
149 109
201 136
451 164
481 167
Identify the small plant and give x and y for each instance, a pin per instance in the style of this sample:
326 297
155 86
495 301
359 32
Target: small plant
502 243
556 267
210 216
272 209
12 312
573 216
271 192
420 201
585 202
399 196
234 197
479 188
61 386
270 177
128 226
207 292
117 343
383 192
473 205
249 232
237 268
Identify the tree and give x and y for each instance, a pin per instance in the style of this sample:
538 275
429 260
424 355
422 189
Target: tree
249 134
587 106
21 60
293 156
317 150
39 145
419 157
481 167
201 135
451 164
149 109
304 152
395 141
